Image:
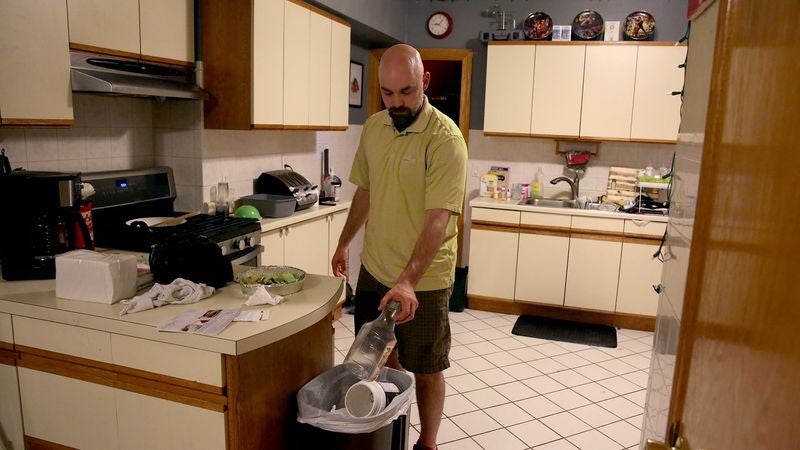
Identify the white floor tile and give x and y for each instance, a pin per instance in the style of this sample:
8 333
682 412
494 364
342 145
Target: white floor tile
508 343
526 354
476 422
565 424
531 341
621 407
501 321
459 316
457 404
634 334
491 333
461 444
593 440
501 359
594 415
543 384
622 433
617 352
639 361
501 439
484 348
636 421
595 372
344 343
617 366
486 314
474 325
455 369
561 444
458 328
547 365
619 385
573 347
551 349
636 346
413 414
465 383
467 337
521 371
413 435
638 397
594 355
639 378
570 360
567 399
494 377
449 431
570 378
534 433
475 364
338 358
515 391
594 392
460 352
485 398
539 406
508 414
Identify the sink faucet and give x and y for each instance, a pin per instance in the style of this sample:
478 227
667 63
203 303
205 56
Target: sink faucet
573 184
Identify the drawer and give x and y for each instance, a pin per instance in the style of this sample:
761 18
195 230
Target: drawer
644 228
545 220
60 338
167 359
496 215
597 224
6 333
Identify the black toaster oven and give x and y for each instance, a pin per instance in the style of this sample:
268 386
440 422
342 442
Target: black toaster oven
287 182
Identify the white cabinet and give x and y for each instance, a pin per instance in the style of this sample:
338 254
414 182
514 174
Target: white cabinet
639 271
494 238
296 65
273 247
10 411
267 71
594 252
34 53
608 84
319 71
557 90
656 112
336 223
542 258
509 89
340 74
156 30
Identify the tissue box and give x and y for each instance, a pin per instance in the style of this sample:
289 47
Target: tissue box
95 277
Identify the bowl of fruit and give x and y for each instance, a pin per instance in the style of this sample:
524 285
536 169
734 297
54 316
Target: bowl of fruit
280 280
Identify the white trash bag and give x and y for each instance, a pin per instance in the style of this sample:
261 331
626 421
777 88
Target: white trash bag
321 401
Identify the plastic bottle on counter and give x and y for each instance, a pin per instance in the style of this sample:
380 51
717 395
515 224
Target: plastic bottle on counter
373 344
537 187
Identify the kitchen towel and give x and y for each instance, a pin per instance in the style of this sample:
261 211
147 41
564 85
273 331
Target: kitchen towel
262 297
179 292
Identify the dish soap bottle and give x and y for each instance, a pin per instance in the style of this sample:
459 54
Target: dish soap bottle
537 186
373 344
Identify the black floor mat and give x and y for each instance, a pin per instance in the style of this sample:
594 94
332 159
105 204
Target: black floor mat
566 331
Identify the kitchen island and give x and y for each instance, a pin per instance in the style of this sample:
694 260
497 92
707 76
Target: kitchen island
89 378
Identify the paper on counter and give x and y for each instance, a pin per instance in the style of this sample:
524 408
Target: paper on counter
252 316
209 323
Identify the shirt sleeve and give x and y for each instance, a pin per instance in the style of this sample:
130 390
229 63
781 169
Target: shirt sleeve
359 173
446 174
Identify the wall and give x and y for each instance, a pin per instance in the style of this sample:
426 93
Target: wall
110 133
385 17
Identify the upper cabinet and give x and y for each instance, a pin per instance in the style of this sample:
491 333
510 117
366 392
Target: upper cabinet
34 53
154 30
288 71
584 90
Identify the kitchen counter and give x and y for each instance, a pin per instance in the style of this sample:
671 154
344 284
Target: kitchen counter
512 205
36 299
269 224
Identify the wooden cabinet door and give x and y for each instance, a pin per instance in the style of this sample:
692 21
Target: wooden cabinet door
155 423
509 89
296 65
273 248
34 53
306 246
557 90
340 75
335 226
638 272
608 84
319 81
108 26
167 30
268 34
593 271
492 263
67 411
657 113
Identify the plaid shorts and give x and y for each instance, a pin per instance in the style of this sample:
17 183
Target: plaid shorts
423 345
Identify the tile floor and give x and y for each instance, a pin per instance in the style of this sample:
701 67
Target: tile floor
508 392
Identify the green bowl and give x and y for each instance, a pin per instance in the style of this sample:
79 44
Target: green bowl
247 212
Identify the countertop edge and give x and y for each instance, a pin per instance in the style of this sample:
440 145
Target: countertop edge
270 224
512 206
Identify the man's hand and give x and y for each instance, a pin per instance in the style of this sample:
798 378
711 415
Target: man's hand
339 262
403 293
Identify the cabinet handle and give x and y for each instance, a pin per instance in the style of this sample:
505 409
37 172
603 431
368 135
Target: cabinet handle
640 222
658 288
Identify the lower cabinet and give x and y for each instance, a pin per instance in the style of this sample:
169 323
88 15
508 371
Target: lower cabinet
10 412
639 271
306 245
593 272
542 258
492 263
336 223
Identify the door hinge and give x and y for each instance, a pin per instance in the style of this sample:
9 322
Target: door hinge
673 436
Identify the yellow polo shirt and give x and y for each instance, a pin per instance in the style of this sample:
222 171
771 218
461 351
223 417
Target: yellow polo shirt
424 167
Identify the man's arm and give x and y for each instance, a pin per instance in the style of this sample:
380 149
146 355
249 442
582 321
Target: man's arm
426 247
359 209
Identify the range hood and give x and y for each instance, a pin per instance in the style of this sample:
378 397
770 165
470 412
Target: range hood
113 75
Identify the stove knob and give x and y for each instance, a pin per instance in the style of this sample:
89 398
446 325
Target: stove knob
247 241
240 244
224 250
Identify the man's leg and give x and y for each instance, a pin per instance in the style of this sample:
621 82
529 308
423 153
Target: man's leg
430 402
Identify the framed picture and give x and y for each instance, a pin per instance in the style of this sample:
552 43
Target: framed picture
356 87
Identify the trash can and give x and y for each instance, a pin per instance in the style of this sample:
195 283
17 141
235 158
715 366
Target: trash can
326 423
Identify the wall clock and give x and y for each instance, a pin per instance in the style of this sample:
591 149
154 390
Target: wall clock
440 25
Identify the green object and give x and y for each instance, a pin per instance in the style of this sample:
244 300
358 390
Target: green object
247 212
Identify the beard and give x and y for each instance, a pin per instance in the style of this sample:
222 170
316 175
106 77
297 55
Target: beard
402 117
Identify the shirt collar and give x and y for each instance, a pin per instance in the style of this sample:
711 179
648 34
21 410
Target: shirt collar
419 124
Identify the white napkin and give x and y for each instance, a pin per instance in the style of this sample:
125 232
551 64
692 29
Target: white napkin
179 292
262 297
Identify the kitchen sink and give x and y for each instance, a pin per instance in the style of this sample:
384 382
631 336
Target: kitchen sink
552 203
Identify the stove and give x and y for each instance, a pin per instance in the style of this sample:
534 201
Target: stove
121 196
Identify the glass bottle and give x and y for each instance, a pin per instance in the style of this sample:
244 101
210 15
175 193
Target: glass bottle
373 344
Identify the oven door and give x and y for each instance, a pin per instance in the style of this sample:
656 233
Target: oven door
250 256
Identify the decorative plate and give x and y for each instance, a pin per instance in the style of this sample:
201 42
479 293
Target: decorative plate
537 26
639 26
587 25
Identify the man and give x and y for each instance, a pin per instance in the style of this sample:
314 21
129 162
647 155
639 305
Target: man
410 171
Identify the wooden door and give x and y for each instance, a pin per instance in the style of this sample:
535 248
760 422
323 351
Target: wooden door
738 358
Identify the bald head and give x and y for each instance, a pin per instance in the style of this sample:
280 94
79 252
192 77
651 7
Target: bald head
403 82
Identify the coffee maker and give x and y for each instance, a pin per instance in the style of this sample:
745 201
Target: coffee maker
43 220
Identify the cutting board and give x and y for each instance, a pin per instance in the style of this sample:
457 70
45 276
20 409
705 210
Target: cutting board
621 184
